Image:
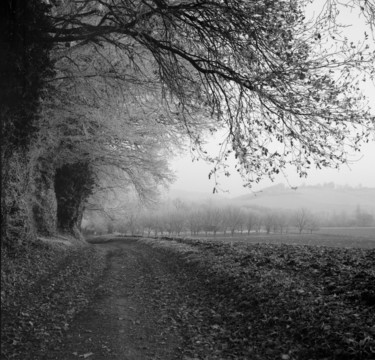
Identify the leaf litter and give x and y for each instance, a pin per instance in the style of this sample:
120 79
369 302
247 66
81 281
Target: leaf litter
268 301
240 301
42 290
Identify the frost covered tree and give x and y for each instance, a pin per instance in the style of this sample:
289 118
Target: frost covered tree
132 75
256 69
258 66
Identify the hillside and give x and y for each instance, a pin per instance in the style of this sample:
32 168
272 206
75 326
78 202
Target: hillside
194 196
319 198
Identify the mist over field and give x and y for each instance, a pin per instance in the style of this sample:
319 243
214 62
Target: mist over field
320 197
323 214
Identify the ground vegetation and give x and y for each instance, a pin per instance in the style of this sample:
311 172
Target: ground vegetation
184 299
42 290
277 301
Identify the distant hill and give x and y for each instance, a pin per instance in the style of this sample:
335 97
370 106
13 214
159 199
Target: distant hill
316 198
319 198
192 196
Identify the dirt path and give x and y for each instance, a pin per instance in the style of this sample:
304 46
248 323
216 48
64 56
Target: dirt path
133 313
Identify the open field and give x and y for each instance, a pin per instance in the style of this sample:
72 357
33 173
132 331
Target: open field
344 240
368 232
270 301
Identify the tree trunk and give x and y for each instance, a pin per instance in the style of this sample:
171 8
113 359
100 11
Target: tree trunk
44 205
16 217
74 183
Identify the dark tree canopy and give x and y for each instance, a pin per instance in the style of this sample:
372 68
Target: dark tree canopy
25 65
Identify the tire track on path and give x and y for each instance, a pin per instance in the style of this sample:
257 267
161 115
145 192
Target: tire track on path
131 316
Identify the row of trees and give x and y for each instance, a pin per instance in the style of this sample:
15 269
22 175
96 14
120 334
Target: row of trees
97 93
358 217
180 218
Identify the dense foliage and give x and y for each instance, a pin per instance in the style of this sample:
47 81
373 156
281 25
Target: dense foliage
25 66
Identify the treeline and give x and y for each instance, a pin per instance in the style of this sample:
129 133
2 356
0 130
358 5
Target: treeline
356 218
177 218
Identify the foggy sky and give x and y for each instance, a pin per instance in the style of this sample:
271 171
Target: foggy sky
193 176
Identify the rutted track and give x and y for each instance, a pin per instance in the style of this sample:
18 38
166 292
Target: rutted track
131 316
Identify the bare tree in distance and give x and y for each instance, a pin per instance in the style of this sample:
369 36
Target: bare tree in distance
212 219
195 219
284 221
312 224
269 221
301 219
233 217
250 220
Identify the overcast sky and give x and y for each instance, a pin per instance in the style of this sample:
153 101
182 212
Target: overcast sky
193 176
